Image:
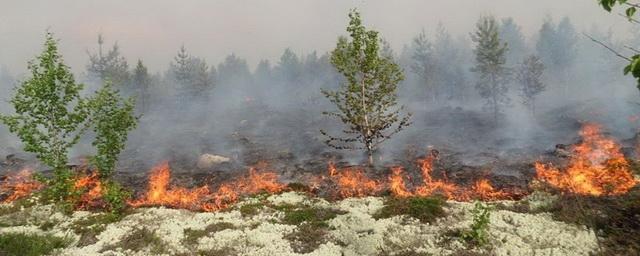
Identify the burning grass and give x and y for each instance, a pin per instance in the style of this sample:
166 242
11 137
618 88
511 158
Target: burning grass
18 185
596 167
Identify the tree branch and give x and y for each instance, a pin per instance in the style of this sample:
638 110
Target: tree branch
607 47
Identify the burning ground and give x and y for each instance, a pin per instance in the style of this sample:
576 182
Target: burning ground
580 199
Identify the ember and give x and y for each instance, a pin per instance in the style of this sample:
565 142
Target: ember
597 167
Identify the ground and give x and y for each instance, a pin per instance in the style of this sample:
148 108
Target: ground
292 223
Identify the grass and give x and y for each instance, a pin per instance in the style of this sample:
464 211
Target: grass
21 244
425 209
137 240
191 236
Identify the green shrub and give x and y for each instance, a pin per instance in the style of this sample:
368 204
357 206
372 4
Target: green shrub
425 209
479 234
21 244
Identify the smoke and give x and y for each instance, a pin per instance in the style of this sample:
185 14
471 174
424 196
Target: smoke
273 111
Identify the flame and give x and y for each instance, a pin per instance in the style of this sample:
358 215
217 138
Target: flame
597 167
352 182
396 183
92 189
19 185
159 191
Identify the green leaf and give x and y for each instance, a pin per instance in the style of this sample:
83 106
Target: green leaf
631 11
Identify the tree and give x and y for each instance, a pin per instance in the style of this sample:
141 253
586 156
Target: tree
511 34
51 116
490 54
556 47
367 102
633 67
111 67
423 64
529 75
112 120
142 81
193 76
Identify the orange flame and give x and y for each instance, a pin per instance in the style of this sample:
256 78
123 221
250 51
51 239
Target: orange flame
396 183
159 191
19 185
92 187
597 167
352 182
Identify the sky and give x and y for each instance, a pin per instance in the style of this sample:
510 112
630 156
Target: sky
154 30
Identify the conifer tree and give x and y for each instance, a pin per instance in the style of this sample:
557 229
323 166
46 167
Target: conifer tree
490 58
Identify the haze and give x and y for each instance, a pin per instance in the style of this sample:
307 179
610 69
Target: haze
253 29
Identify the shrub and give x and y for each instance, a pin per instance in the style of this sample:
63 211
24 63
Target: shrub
425 209
478 234
21 244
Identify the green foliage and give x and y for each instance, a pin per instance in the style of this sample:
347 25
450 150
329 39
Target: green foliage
295 215
490 54
112 120
366 102
631 8
49 114
115 196
479 234
425 209
21 244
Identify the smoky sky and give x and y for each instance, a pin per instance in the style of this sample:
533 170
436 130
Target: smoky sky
153 30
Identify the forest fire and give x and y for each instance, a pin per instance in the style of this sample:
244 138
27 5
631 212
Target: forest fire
18 185
159 191
597 167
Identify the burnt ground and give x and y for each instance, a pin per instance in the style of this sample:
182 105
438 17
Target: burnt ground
469 144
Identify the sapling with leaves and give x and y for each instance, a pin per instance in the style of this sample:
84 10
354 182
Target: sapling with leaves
50 115
631 8
367 102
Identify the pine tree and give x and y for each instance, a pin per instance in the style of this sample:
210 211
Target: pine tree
192 75
367 102
111 67
529 75
490 55
423 64
142 81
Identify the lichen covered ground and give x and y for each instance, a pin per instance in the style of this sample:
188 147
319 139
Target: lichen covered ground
294 224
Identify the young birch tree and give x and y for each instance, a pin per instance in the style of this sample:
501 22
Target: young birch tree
367 102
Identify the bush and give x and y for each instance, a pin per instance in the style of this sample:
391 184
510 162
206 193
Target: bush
479 234
21 244
425 209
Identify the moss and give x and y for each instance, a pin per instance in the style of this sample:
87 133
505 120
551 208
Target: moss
252 209
226 251
21 244
425 209
306 238
94 223
191 236
295 215
137 240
